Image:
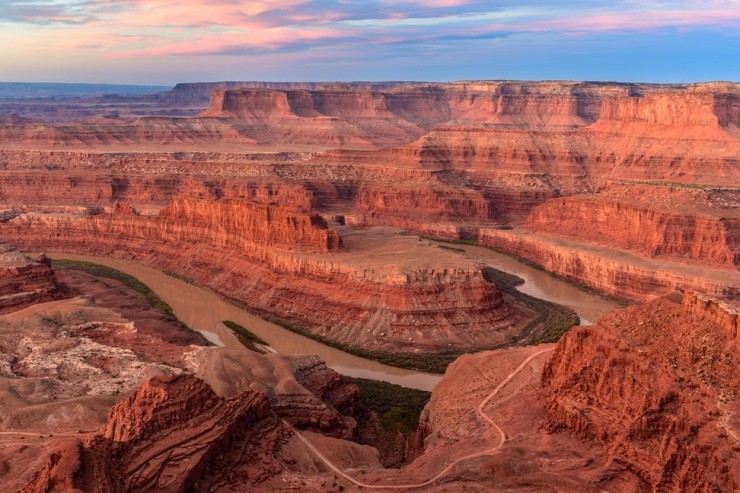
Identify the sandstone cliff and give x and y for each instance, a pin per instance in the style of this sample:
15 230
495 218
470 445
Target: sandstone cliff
612 271
24 281
656 386
694 225
174 434
381 291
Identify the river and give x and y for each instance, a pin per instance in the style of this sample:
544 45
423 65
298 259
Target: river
540 284
204 311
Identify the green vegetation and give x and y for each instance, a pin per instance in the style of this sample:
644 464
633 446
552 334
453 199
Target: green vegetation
452 249
248 339
463 241
398 407
673 184
432 363
130 282
552 320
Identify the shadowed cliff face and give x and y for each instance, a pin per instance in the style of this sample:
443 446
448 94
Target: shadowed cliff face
173 434
656 385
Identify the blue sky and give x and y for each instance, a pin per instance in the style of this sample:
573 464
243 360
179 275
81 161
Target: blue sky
168 41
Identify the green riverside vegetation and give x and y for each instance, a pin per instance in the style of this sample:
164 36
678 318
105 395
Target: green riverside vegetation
248 339
431 363
552 320
130 282
398 407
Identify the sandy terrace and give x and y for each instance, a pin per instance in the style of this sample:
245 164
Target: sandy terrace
722 202
389 249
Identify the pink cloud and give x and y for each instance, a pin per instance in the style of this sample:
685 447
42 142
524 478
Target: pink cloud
155 28
263 40
637 21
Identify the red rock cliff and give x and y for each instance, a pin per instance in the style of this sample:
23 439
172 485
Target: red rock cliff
24 281
286 264
686 224
174 434
232 223
612 271
657 386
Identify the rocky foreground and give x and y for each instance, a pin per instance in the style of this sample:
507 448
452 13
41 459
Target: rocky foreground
646 400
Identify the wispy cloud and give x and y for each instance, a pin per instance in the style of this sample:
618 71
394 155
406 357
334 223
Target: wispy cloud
203 27
173 29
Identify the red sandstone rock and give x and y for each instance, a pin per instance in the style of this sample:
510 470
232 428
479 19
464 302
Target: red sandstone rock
174 434
657 387
610 270
686 224
384 292
466 156
24 281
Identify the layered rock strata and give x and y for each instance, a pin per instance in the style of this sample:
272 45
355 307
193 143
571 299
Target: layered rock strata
699 225
615 272
24 281
656 386
302 390
456 158
381 292
173 434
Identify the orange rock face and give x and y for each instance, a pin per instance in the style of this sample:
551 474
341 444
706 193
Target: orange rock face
24 281
616 272
289 265
446 160
655 385
173 434
697 225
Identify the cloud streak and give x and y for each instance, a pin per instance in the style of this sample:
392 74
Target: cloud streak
119 30
159 28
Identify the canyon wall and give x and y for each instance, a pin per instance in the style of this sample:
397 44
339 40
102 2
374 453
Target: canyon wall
442 160
699 225
173 434
492 150
669 418
24 281
615 272
501 103
287 265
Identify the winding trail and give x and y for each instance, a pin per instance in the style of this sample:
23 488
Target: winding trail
451 465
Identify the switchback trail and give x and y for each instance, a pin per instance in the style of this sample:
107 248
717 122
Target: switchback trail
448 468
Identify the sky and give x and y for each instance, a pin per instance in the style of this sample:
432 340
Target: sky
168 41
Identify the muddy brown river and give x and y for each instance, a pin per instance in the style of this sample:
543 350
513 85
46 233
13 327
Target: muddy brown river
540 284
204 311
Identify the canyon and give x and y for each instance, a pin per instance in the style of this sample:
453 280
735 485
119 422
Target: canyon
462 160
516 419
360 214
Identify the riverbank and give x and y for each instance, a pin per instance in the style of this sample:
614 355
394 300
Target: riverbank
550 321
204 311
523 260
